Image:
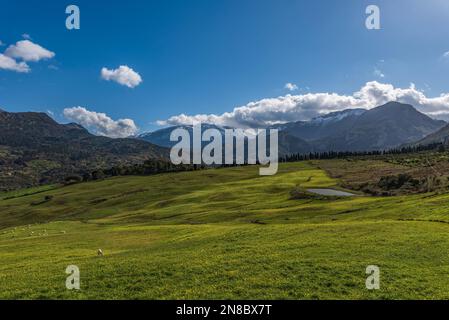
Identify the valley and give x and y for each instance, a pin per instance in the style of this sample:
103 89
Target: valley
224 156
186 232
222 234
36 150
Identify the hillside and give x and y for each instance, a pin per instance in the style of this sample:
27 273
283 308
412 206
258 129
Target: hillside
162 137
222 234
35 149
321 127
441 136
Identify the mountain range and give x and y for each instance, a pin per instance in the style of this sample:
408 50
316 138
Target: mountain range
381 128
35 149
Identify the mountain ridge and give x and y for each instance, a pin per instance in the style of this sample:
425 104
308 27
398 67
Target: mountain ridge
35 149
440 136
384 127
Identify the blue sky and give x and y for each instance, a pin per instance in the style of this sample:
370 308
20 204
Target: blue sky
208 57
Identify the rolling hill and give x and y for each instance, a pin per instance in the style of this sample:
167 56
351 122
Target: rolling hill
222 234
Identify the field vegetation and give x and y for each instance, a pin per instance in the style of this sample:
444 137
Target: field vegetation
226 234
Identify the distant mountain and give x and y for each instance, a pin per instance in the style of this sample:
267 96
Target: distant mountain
162 137
384 127
35 149
321 127
441 136
289 144
387 126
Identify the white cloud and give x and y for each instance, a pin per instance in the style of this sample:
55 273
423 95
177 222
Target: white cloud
26 36
378 73
100 123
446 55
291 86
8 63
28 51
306 106
124 75
378 69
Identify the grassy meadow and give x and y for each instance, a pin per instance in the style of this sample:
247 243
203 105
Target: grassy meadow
222 234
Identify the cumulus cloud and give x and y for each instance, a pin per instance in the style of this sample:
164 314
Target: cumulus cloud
291 108
8 63
100 123
291 86
124 75
28 51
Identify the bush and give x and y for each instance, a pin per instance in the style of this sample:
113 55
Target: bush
73 179
396 182
97 175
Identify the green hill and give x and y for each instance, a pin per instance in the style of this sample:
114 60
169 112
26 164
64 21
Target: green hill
222 234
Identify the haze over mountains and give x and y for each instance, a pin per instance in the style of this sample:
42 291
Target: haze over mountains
385 127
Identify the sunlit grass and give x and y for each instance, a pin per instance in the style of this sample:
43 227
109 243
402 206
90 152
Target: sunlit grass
222 234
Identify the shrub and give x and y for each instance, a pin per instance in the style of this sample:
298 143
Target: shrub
73 179
396 182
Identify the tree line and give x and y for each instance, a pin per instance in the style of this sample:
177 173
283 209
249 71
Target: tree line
152 167
345 154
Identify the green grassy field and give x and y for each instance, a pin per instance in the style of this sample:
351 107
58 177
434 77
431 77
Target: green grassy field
221 234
